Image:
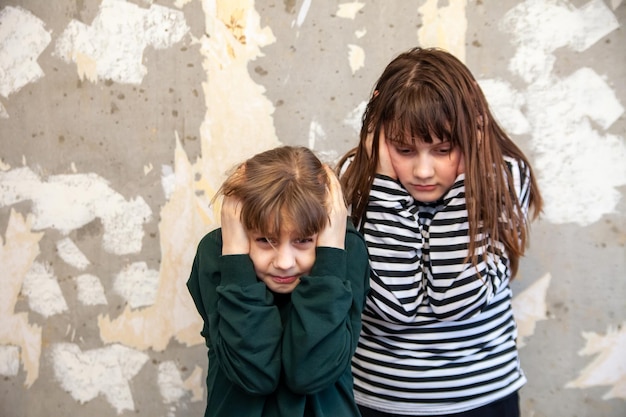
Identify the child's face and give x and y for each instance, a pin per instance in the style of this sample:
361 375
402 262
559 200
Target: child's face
426 170
280 262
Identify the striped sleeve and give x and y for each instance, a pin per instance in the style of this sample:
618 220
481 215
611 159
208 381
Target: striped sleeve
394 243
458 289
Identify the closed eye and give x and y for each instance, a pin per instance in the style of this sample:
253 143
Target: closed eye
262 240
304 241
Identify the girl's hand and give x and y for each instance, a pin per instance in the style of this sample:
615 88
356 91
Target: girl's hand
334 234
383 166
234 237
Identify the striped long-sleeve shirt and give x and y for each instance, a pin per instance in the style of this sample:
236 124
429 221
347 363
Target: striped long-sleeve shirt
438 332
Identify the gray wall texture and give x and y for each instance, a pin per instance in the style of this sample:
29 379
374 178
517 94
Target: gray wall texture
119 119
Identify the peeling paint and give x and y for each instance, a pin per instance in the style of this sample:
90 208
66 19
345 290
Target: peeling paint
71 254
43 291
356 56
355 117
316 131
23 38
529 307
170 383
68 202
9 360
540 27
17 253
106 371
609 367
90 290
3 112
111 48
195 384
137 284
444 27
172 314
559 110
506 104
349 10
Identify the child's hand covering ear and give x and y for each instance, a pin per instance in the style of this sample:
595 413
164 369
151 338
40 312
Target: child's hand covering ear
383 166
333 235
234 237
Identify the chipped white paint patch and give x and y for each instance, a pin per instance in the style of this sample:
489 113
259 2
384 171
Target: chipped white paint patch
168 180
23 38
356 57
574 158
444 27
506 105
9 360
529 307
71 254
360 33
609 367
43 291
3 112
68 202
111 48
106 371
316 134
90 290
316 131
137 284
355 117
349 10
170 383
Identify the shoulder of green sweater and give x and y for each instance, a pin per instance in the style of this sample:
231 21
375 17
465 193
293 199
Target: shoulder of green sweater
213 238
352 235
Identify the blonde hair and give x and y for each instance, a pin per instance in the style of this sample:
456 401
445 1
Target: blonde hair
426 93
278 188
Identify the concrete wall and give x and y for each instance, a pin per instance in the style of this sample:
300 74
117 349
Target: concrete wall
118 120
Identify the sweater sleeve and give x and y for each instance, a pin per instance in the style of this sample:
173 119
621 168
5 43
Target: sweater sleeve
395 244
324 322
458 289
241 323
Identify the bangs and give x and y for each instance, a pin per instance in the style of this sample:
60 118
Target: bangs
417 115
302 216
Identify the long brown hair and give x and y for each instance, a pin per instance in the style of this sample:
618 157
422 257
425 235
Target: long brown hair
281 187
425 93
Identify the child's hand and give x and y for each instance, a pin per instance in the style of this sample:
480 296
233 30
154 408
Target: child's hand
334 234
383 166
234 237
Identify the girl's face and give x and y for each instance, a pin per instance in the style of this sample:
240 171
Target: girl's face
280 262
426 170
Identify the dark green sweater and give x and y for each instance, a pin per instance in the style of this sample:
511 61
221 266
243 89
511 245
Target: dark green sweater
280 355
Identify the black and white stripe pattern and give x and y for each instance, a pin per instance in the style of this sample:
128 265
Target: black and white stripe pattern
438 332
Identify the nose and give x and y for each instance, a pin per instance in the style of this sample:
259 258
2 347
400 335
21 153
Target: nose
284 257
423 167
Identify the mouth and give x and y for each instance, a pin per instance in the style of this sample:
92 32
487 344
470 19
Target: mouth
424 188
285 280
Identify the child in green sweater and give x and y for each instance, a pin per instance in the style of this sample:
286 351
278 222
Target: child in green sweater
281 286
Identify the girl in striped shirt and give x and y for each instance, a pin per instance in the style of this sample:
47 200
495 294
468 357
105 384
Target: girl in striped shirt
442 197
